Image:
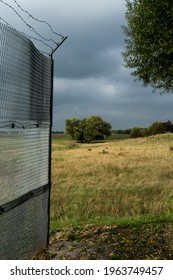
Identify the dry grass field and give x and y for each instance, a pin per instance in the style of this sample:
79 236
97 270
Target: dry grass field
112 182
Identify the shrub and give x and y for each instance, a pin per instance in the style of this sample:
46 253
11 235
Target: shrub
137 132
160 128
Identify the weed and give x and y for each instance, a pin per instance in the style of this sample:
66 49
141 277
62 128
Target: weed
73 237
71 145
115 257
104 152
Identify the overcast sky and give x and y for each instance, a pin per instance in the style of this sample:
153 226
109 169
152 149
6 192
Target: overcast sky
89 76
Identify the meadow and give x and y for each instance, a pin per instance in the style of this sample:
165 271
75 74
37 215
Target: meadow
119 181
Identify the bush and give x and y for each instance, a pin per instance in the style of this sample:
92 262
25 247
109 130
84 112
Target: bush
137 132
88 130
160 128
155 128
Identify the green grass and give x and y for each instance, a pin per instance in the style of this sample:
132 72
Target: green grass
60 138
134 221
115 136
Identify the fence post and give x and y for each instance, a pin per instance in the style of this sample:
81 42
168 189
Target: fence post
50 146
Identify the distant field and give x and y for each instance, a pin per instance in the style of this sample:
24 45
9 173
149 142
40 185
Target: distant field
64 137
61 137
115 181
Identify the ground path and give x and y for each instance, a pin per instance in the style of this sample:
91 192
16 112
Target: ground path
90 242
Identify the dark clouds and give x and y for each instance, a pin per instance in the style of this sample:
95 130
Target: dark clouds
89 75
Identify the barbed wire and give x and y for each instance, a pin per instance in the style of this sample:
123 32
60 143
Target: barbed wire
53 48
29 26
28 36
41 21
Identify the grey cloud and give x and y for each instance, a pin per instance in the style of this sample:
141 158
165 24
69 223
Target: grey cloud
102 63
89 77
85 53
123 104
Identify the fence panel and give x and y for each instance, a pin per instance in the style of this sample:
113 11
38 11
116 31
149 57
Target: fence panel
25 127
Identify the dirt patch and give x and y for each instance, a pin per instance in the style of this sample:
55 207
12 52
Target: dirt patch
132 242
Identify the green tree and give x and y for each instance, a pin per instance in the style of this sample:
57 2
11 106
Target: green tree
96 129
137 132
160 127
148 42
75 128
88 130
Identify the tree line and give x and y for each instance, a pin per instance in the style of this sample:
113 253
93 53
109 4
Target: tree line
95 128
155 128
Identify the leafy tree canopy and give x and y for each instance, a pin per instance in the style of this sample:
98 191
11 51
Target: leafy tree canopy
149 42
89 129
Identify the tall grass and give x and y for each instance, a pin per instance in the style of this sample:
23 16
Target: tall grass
105 182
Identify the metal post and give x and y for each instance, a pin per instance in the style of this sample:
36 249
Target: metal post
50 146
50 134
58 45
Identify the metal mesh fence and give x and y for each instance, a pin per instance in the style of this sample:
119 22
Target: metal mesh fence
25 126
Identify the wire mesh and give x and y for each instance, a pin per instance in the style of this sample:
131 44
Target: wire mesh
25 121
24 229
